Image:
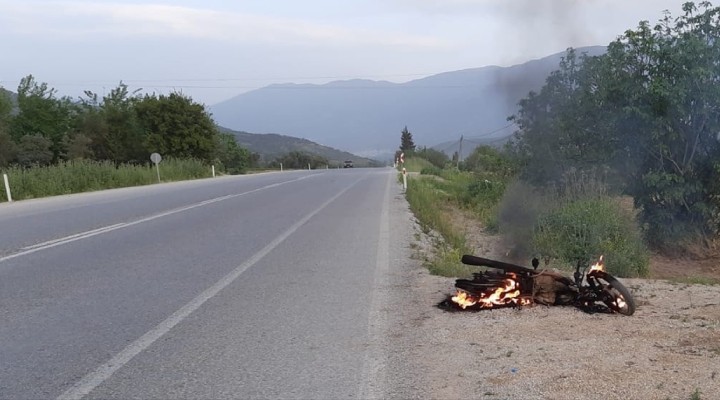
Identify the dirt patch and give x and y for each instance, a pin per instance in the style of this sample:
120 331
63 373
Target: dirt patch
663 267
482 243
670 348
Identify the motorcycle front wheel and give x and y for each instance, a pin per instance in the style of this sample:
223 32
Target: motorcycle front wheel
614 294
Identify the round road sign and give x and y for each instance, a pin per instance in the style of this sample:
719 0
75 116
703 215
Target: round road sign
155 157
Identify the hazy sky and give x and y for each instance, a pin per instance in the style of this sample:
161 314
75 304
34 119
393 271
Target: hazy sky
214 50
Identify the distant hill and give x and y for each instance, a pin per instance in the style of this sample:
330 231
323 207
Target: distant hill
271 145
12 95
366 117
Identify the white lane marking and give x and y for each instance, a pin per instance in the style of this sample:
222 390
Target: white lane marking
92 380
373 373
84 235
49 242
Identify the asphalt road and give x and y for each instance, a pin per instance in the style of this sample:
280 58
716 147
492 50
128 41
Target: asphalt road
238 287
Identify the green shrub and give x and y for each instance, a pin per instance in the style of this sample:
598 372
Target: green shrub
584 229
432 170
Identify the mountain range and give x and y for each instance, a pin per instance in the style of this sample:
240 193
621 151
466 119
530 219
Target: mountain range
270 146
365 117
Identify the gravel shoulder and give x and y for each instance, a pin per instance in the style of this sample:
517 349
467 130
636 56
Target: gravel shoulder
670 348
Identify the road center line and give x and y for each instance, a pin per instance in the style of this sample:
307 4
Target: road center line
85 385
84 235
372 376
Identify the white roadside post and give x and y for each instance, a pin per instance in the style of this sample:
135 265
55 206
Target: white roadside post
156 158
404 179
280 167
308 167
213 171
7 187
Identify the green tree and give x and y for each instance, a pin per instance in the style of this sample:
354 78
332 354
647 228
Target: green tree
562 127
79 147
667 76
406 141
176 126
120 134
231 157
6 107
34 150
7 148
648 110
487 159
41 113
7 145
436 157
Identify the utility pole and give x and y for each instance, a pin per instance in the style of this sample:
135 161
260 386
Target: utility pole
459 152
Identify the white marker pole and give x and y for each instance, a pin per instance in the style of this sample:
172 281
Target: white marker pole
280 167
7 187
308 167
404 179
213 171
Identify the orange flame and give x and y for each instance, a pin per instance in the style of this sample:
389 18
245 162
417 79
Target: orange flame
464 299
598 266
507 293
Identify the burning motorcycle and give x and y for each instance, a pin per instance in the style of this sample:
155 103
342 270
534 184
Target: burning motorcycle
592 289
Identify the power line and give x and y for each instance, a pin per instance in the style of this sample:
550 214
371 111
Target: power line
481 135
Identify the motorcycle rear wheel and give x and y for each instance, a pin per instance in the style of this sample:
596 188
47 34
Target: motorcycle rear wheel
617 296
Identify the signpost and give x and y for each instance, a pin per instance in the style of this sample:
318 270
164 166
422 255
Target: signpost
156 158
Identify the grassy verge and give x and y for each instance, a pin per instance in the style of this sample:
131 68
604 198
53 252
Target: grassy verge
83 176
436 195
427 203
576 224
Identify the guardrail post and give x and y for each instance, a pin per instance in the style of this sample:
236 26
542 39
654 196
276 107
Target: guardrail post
7 187
404 179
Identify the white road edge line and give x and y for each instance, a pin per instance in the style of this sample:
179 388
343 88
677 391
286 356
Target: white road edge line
84 235
94 379
373 384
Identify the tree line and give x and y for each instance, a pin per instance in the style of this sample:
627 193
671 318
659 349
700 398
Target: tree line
121 126
645 115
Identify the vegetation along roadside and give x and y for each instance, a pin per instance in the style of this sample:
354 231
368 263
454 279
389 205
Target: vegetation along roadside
616 155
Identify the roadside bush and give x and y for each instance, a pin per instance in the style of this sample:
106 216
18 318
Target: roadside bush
575 221
582 230
431 171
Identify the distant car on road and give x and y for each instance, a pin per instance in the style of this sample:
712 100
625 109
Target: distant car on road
348 164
